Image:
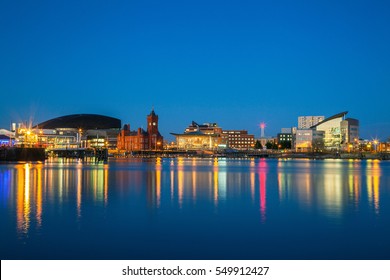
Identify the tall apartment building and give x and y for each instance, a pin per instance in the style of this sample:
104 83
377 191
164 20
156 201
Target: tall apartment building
305 122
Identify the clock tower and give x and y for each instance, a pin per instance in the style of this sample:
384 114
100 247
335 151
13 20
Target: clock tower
155 139
152 120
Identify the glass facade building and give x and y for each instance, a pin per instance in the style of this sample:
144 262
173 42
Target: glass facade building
338 131
332 133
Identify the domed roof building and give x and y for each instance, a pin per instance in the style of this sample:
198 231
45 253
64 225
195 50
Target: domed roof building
81 121
75 131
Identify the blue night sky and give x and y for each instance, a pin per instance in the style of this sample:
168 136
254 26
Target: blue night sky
236 63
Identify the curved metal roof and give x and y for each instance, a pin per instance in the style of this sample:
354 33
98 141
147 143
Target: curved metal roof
339 115
83 121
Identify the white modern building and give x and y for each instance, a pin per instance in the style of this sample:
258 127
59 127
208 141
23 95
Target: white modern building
331 134
339 131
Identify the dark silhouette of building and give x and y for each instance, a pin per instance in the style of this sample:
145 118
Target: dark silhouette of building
81 121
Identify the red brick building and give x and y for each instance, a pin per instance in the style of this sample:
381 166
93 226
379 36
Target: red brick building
140 139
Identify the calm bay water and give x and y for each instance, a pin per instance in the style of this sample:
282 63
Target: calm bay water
196 209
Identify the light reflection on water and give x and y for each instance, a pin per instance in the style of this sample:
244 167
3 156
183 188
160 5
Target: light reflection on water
331 187
31 185
264 192
373 181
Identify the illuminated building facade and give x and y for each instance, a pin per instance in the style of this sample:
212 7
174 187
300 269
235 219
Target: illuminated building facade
338 132
72 131
333 137
309 140
140 140
7 138
238 139
384 147
197 141
199 137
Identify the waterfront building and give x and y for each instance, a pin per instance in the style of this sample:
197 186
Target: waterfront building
70 131
368 145
199 137
7 138
197 140
339 132
209 136
238 139
206 128
141 140
305 122
58 138
309 140
82 121
384 147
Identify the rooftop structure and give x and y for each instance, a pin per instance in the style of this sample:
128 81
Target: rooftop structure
206 128
286 130
305 122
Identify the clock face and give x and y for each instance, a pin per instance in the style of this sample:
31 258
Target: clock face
150 123
154 123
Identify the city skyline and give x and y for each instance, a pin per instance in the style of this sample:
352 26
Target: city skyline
234 63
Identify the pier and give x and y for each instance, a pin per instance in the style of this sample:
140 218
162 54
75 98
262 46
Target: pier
22 154
253 154
85 154
16 154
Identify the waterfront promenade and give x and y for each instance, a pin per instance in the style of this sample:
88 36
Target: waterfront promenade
39 154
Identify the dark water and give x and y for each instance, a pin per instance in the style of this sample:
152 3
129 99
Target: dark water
196 209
